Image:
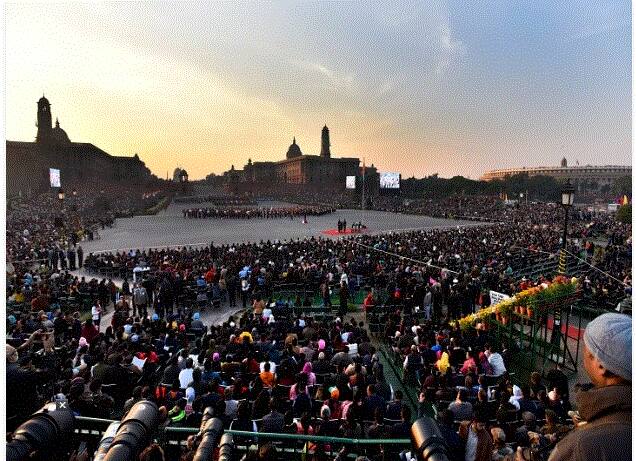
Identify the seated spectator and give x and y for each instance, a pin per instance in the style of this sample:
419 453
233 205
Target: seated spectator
394 408
402 430
461 409
185 375
328 426
469 364
527 403
350 428
535 384
501 451
553 430
529 425
372 402
449 433
243 421
267 377
426 405
496 361
177 414
274 421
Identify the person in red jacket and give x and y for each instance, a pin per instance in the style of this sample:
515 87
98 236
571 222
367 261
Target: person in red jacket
89 332
368 303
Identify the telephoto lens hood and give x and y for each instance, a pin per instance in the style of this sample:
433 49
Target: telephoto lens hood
134 432
42 431
428 443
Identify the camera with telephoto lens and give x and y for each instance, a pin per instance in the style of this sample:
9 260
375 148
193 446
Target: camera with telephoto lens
40 436
428 443
209 433
134 432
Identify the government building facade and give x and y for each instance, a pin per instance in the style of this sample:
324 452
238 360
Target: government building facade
301 172
586 179
28 163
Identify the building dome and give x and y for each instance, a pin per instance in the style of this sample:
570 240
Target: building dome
58 135
294 151
43 100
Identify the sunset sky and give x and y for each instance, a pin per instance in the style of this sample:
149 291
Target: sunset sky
454 87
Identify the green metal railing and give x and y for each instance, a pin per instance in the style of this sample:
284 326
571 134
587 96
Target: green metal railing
290 443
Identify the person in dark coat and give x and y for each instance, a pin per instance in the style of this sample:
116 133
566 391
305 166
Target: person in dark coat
344 300
607 407
274 421
80 256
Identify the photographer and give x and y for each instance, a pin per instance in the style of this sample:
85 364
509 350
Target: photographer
23 378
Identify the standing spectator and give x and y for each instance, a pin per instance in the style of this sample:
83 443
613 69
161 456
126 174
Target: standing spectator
71 258
245 291
607 407
140 300
344 299
80 256
479 444
96 313
125 289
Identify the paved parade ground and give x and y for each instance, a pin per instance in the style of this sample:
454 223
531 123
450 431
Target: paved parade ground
170 228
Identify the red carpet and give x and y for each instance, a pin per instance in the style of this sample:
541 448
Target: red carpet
573 332
348 231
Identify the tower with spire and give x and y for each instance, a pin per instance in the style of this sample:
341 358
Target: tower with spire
325 144
45 123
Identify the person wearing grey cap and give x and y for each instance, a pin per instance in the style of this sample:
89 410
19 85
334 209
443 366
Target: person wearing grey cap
607 407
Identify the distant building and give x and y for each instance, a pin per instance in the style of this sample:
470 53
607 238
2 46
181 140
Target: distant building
180 175
299 171
28 163
586 179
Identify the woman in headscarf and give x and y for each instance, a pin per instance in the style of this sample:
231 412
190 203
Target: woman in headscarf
311 376
443 363
484 364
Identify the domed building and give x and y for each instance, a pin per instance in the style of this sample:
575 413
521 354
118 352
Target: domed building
298 171
294 150
28 163
58 135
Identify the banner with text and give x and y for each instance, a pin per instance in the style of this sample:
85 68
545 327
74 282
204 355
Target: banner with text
496 297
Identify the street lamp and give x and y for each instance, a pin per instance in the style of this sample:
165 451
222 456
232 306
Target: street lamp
61 195
74 192
567 200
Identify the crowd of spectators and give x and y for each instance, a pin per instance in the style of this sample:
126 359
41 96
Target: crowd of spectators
256 212
43 223
217 200
271 369
268 370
